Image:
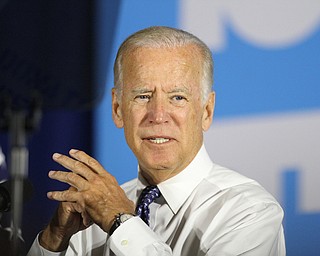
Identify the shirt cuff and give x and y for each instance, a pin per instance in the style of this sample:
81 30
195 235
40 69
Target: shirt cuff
135 238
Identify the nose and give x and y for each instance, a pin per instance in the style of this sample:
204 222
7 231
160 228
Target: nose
157 111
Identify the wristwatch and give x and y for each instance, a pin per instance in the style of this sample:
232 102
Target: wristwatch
120 219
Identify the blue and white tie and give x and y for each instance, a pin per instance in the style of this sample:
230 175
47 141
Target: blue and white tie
148 195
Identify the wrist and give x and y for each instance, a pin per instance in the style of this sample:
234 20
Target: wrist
53 241
119 220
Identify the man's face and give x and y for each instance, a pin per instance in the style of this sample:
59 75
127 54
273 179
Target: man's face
161 109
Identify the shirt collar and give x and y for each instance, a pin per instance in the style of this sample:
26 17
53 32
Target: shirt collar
177 189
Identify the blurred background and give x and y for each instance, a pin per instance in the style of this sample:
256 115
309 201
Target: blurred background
267 83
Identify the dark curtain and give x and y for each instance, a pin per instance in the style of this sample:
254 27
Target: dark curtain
54 52
59 131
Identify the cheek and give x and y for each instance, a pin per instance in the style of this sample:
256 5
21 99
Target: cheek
132 120
195 121
190 121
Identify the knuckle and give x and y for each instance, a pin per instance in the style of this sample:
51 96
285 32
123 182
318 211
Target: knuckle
78 207
65 194
57 196
93 162
96 180
69 177
87 197
113 179
77 165
82 204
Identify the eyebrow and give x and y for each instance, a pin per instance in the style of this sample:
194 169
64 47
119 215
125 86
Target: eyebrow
183 89
140 90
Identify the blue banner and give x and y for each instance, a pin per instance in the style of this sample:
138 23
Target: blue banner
267 83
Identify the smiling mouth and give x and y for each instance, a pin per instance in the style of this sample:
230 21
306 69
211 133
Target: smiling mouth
158 140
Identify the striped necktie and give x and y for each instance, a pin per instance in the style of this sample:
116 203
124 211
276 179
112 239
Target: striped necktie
148 195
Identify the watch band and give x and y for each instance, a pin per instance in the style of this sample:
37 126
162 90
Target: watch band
120 219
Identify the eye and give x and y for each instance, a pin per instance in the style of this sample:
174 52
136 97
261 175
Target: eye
142 98
178 100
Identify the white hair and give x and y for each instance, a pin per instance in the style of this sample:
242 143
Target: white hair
159 37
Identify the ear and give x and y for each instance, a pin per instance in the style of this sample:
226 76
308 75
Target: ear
208 110
116 110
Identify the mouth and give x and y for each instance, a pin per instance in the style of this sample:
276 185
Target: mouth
158 140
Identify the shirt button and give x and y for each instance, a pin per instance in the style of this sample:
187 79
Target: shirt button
124 242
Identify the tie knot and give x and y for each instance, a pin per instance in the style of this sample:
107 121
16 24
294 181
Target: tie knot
150 192
148 195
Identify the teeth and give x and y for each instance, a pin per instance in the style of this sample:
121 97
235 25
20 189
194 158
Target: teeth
159 140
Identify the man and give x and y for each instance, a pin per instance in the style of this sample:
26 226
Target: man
163 99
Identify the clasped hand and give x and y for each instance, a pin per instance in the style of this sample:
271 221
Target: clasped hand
94 194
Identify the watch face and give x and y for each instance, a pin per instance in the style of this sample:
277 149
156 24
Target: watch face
125 217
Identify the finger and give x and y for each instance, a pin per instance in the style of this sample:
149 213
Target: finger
86 220
73 165
93 164
87 160
70 178
64 196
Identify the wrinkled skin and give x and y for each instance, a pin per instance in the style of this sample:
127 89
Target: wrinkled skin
94 196
163 118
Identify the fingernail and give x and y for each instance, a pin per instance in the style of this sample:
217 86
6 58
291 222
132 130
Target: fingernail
56 155
49 194
50 173
73 151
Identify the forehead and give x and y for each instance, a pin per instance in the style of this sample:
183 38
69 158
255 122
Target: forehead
162 65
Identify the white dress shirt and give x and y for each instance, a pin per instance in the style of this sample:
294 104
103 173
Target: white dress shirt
204 210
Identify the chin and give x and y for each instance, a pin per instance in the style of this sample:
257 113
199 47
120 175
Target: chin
157 175
160 162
